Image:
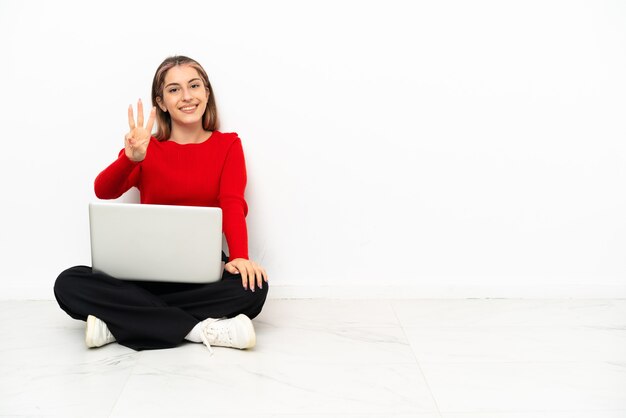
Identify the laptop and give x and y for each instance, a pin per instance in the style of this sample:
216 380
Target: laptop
156 242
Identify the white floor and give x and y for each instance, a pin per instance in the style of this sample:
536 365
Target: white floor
334 358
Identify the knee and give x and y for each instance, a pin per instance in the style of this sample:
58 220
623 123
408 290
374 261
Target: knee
260 293
259 296
68 288
68 278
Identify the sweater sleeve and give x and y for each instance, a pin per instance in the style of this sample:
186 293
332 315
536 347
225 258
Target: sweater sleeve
117 178
231 199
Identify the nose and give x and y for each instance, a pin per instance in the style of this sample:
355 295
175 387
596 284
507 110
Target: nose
186 94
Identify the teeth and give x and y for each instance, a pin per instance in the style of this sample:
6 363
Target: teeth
188 108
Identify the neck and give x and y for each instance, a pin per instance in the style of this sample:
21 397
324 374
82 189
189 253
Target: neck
183 134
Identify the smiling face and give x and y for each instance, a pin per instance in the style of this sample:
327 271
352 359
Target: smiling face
184 95
177 73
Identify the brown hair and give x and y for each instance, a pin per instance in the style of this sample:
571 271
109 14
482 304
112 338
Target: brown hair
210 121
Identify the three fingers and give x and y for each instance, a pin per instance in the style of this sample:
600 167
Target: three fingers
137 139
140 119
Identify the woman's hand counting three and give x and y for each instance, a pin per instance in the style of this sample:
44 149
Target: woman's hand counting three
137 139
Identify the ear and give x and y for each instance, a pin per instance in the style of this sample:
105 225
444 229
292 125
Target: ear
161 105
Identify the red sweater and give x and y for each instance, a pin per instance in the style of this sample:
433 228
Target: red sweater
211 173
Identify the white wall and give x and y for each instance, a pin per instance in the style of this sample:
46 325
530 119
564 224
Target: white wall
432 148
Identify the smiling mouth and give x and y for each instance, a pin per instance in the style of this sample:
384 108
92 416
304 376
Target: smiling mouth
188 109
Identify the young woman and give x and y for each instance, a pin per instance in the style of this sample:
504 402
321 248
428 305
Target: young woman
187 162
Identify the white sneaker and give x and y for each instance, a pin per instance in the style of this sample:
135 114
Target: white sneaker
236 332
97 333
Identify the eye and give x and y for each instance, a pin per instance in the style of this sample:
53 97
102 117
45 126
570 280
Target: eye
195 85
172 90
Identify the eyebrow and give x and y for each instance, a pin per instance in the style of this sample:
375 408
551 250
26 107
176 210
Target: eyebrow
178 84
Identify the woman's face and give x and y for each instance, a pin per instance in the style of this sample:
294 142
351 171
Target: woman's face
184 95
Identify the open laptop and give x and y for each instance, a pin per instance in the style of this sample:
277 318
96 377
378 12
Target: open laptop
156 242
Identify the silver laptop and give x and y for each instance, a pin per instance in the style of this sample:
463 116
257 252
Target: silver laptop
156 242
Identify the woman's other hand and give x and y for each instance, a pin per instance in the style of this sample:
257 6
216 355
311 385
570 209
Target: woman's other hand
137 139
252 274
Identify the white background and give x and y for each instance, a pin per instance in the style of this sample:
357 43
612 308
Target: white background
418 148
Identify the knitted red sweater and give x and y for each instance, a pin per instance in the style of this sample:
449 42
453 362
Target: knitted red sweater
211 173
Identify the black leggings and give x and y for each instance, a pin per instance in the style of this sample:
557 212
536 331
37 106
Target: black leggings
151 315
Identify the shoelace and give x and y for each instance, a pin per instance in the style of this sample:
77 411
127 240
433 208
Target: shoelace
219 333
204 337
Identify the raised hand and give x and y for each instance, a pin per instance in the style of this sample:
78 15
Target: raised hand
137 139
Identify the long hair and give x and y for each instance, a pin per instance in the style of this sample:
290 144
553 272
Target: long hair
210 121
